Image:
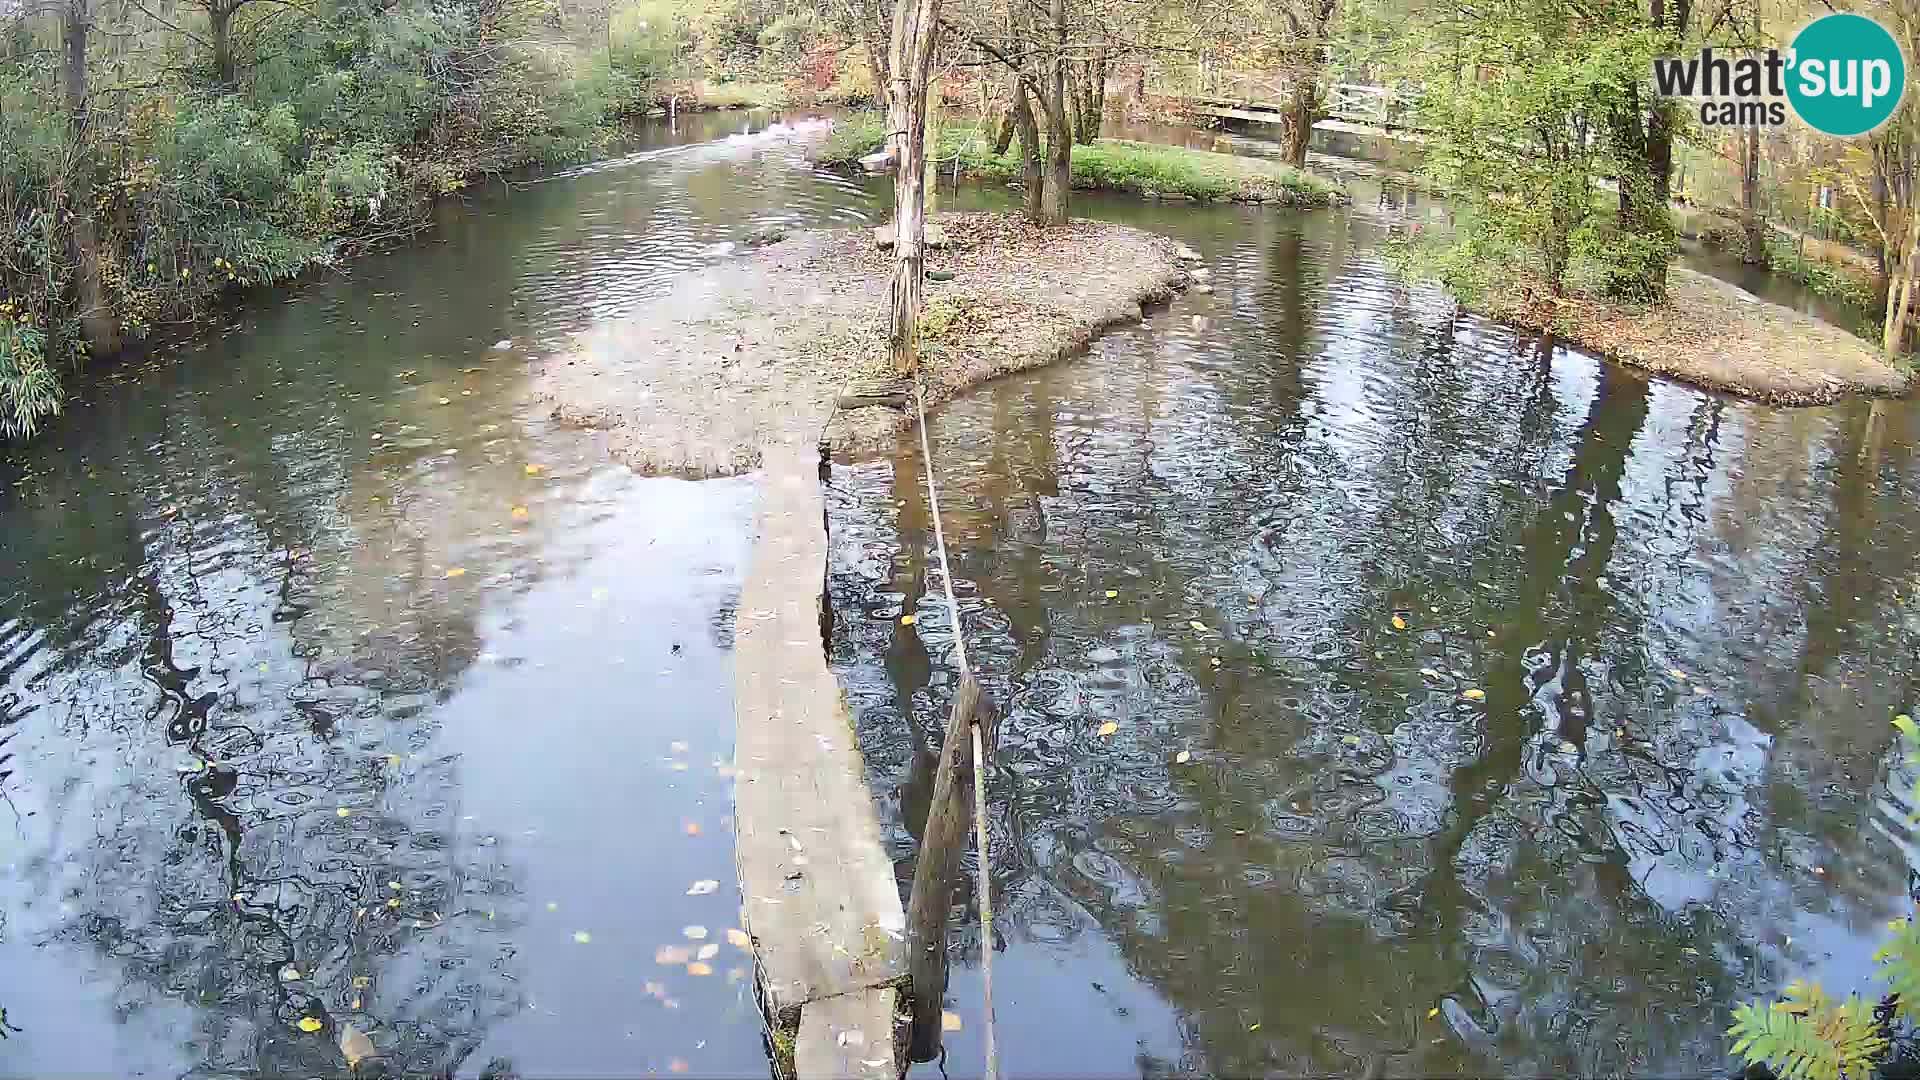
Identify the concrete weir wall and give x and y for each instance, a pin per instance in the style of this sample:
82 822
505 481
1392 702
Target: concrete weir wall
819 897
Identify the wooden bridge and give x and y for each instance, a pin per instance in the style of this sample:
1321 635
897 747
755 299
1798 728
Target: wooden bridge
1359 108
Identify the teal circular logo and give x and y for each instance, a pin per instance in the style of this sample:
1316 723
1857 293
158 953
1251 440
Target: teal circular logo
1845 74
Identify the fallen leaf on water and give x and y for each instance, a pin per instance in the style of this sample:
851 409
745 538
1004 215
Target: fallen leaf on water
343 812
707 951
446 401
456 571
739 939
1113 594
1182 758
1108 728
521 513
393 759
394 902
1351 740
1429 673
1253 1027
691 828
696 932
949 1020
1569 747
672 954
1473 694
582 937
699 968
907 620
677 1065
1399 623
290 973
355 1045
1197 625
1433 1012
533 470
394 885
361 982
1678 674
702 887
1907 727
309 1024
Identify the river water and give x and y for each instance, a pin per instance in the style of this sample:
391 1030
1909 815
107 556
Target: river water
339 685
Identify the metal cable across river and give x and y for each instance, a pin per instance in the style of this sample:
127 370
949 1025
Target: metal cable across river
1477 706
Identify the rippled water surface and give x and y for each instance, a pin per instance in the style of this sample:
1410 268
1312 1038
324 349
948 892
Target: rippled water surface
1276 535
336 684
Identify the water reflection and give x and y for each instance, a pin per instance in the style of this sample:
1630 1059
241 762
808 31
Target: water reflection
1685 621
336 687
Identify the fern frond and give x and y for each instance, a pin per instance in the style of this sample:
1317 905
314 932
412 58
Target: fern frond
1808 1036
1899 961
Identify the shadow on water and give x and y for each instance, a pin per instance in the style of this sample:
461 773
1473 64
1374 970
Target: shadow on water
1685 622
336 687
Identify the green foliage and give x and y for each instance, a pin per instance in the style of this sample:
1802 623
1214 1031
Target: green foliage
1529 109
1824 278
1809 1036
29 389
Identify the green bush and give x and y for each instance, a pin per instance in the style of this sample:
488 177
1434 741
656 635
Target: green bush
1619 263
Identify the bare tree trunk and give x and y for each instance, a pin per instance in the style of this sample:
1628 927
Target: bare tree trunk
916 27
1059 132
1301 115
98 324
220 30
1098 102
1077 102
1754 226
1033 176
1900 285
1003 135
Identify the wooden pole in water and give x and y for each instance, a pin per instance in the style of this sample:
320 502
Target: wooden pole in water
949 817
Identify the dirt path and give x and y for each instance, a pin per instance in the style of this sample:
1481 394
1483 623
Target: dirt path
756 349
1716 335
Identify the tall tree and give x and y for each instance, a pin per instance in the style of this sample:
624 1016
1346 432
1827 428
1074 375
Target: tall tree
916 32
99 326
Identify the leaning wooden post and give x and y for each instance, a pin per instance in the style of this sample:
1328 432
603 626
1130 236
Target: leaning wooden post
949 817
915 28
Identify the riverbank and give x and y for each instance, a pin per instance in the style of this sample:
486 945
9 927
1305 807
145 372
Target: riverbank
1137 168
756 349
1713 335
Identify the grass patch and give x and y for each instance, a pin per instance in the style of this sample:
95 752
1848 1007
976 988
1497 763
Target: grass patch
1107 165
741 95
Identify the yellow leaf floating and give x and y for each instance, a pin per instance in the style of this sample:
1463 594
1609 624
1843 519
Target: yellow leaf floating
309 1024
1433 1012
533 470
343 811
521 513
1399 623
949 1020
1108 728
583 937
672 954
1198 626
1182 758
1429 673
1113 594
456 571
739 939
707 951
1473 694
699 968
907 620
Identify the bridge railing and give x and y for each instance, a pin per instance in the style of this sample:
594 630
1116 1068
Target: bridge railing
1357 103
